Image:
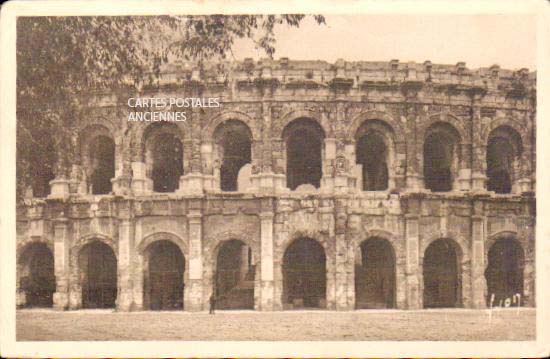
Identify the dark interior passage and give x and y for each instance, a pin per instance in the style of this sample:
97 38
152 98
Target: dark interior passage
441 275
304 275
500 156
37 275
375 275
164 279
167 162
98 273
438 157
234 276
372 154
102 156
235 141
504 273
304 143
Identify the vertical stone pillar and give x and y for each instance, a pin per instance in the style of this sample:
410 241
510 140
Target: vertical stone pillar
61 264
412 272
479 151
329 158
141 184
341 261
479 285
266 261
194 286
125 300
464 167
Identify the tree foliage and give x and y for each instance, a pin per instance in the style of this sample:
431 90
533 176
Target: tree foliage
60 56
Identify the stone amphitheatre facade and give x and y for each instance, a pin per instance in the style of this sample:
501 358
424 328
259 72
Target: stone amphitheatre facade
339 186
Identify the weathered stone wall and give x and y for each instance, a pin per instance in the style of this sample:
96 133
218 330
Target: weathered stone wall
403 99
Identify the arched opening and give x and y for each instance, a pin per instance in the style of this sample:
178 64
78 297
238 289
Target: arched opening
233 140
164 276
164 157
304 145
440 157
503 151
41 167
234 276
98 274
441 270
102 161
372 154
304 275
504 273
375 275
37 276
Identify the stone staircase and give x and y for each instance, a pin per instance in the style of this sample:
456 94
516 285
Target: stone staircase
240 296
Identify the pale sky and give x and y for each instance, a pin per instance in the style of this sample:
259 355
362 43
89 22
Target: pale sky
478 40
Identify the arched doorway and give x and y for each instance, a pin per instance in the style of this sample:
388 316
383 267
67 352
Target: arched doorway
304 275
304 145
503 151
37 276
374 140
440 157
234 276
504 273
164 156
164 276
375 274
98 273
441 271
102 158
233 141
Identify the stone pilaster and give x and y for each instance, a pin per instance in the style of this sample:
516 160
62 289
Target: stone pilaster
267 285
194 286
141 184
479 285
61 264
341 262
412 271
125 300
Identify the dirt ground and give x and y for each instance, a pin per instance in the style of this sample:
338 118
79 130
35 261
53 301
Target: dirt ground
449 324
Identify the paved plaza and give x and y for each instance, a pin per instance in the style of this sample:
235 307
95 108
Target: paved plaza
447 324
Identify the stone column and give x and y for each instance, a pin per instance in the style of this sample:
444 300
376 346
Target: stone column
266 261
141 184
61 264
341 264
479 285
194 286
125 300
412 272
327 181
479 151
464 167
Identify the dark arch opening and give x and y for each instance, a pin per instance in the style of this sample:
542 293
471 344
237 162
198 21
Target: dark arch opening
304 143
235 139
234 276
164 156
375 275
37 277
439 151
441 270
504 273
503 147
102 157
372 153
164 276
98 273
42 162
304 275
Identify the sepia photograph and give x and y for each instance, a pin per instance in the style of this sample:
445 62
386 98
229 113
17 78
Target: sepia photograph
272 176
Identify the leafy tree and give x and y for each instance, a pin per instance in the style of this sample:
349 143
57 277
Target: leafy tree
60 56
